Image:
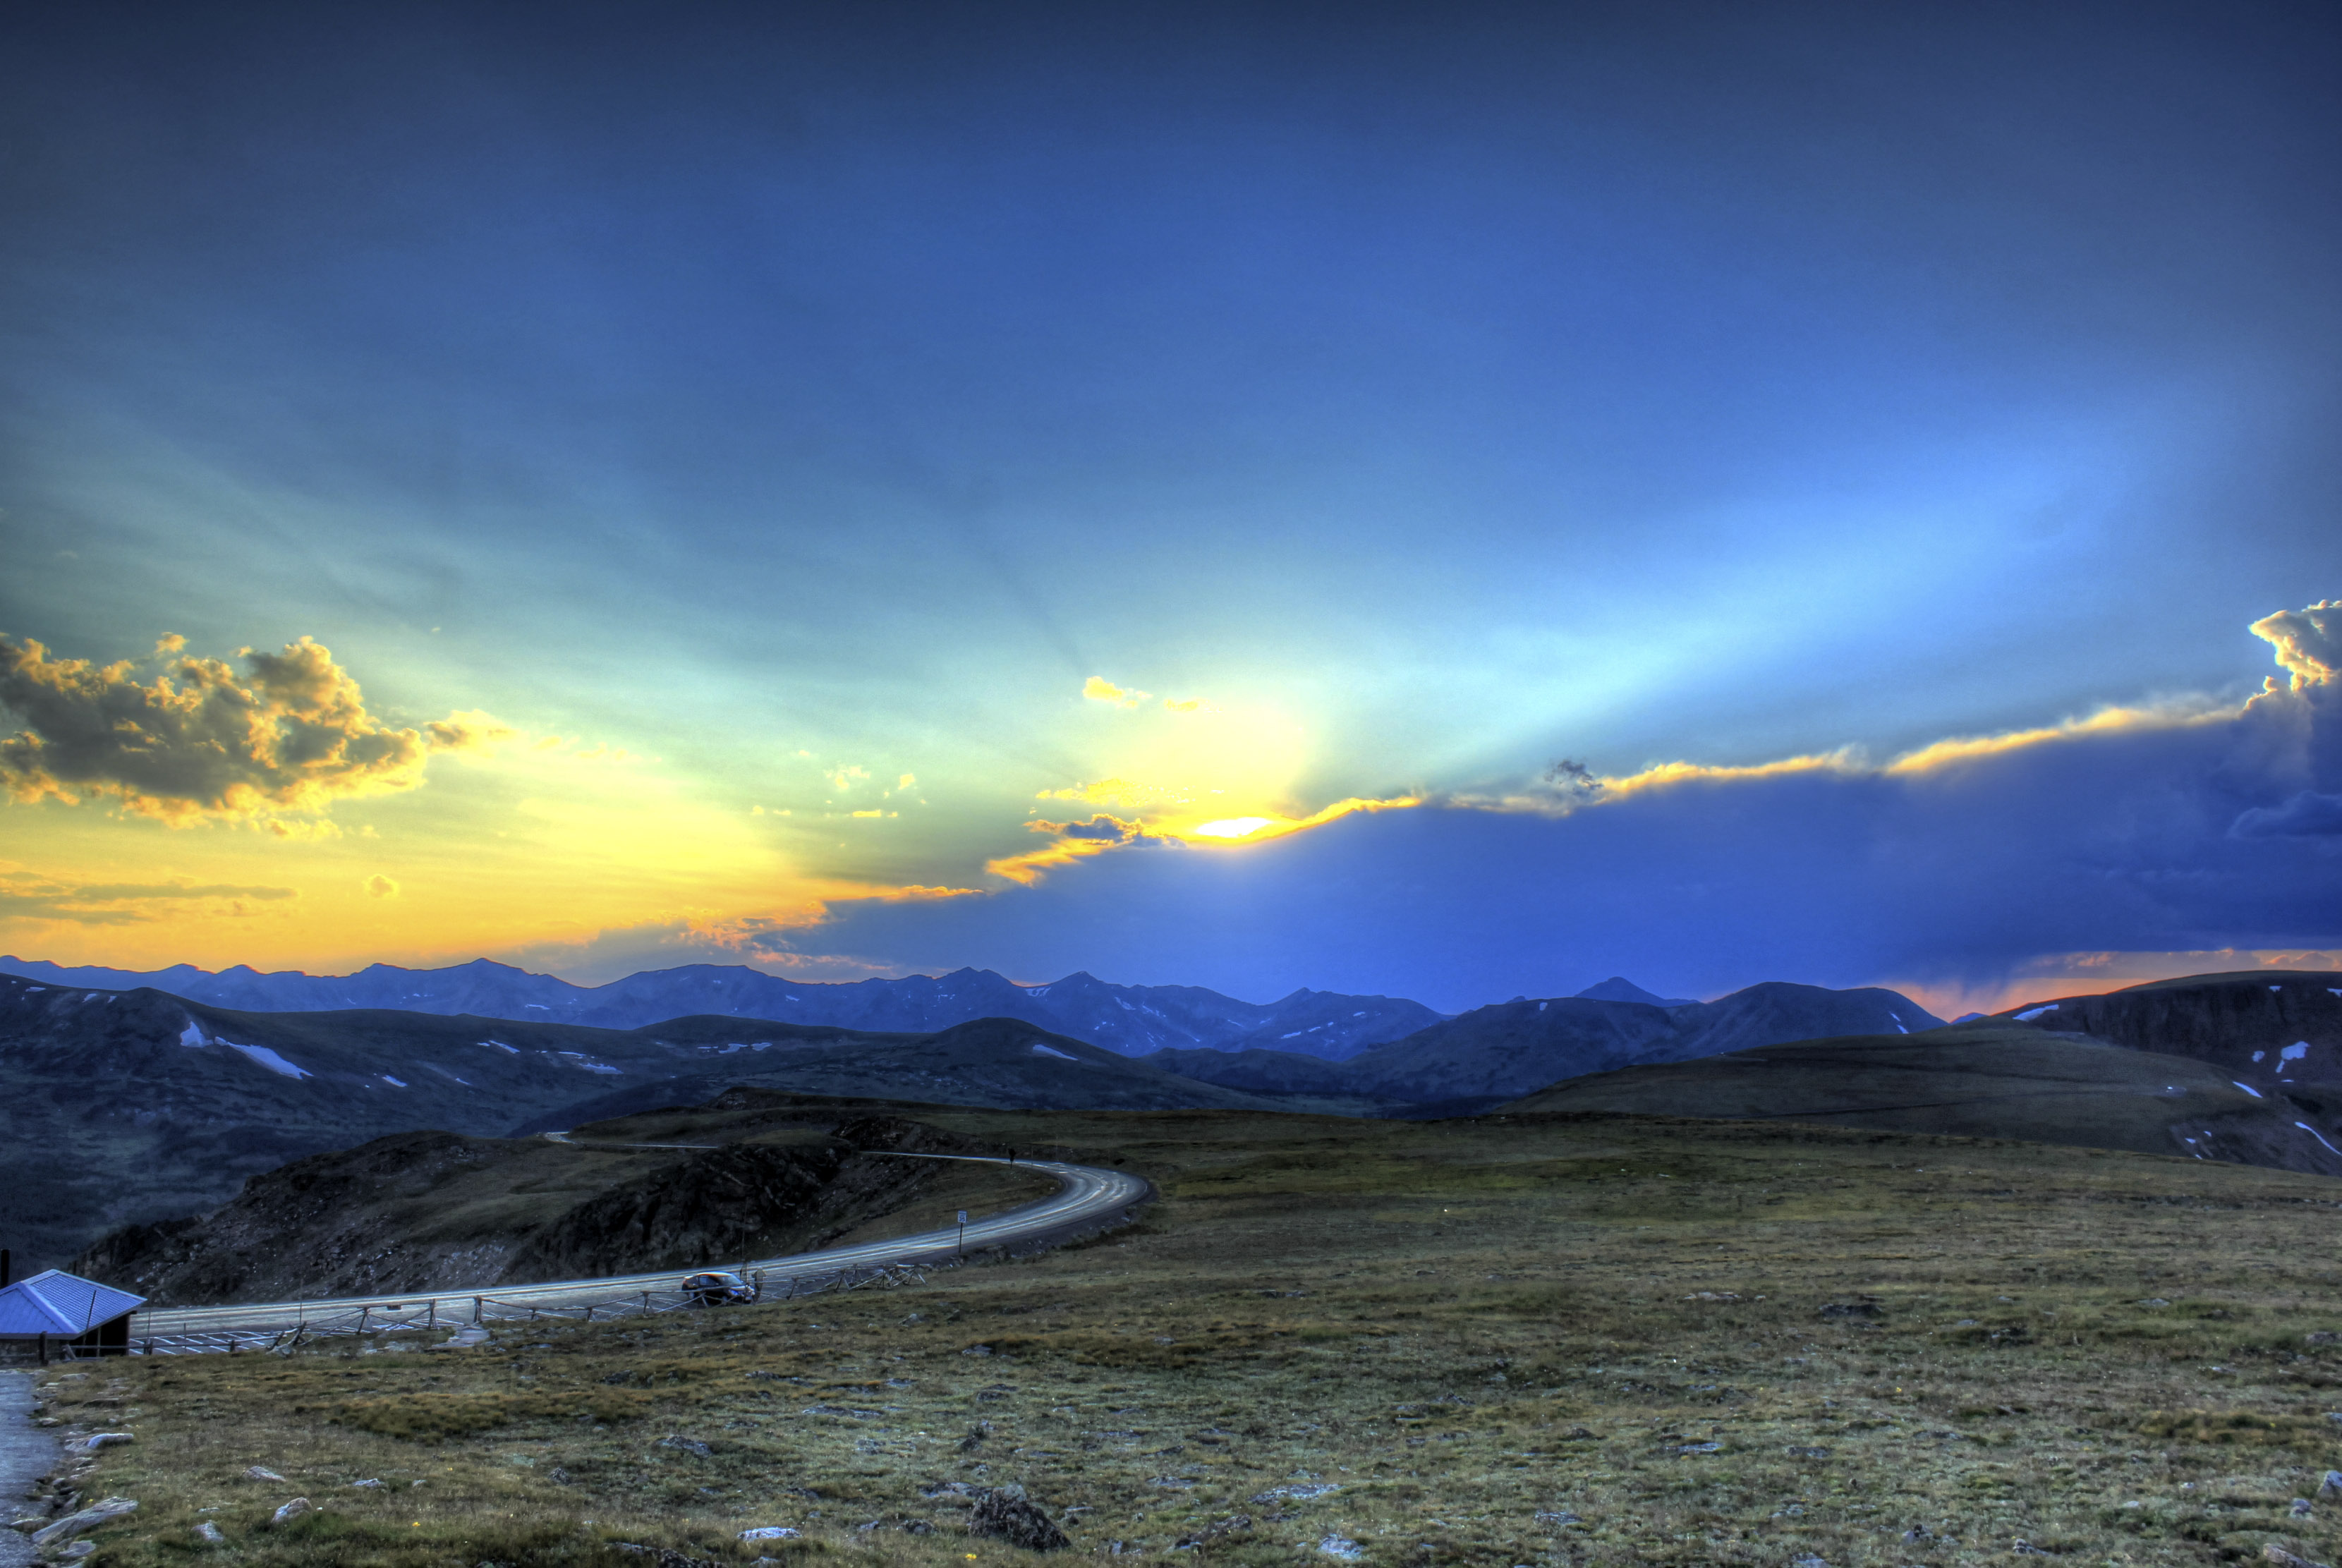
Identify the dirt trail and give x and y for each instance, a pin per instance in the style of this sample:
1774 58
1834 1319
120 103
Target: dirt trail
26 1452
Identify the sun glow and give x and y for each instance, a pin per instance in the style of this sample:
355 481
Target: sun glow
1230 827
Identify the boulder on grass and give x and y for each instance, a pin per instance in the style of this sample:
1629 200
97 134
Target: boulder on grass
1005 1512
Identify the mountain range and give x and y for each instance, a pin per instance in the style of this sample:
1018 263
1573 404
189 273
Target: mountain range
123 1106
1132 1020
1462 1065
120 1107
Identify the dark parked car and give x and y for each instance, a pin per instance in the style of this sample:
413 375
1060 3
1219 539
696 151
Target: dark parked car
716 1288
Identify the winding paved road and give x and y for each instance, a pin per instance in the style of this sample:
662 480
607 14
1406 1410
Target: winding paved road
1086 1194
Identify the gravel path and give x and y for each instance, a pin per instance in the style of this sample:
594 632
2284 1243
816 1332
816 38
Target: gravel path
25 1455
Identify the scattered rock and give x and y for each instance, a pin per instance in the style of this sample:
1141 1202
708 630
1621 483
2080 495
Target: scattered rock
368 1484
257 1472
2332 1485
2320 1336
1234 1524
1700 1448
769 1532
976 1437
97 1440
1809 1561
209 1534
72 1525
1558 1516
2024 1548
2284 1559
1851 1309
557 1475
291 1511
75 1552
2301 1509
1794 1452
1006 1513
977 1350
1302 1493
662 1556
688 1444
1341 1546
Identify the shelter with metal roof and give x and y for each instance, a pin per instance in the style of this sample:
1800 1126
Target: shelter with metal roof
64 1313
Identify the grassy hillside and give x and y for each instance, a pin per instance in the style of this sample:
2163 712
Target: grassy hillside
1543 1340
1983 1080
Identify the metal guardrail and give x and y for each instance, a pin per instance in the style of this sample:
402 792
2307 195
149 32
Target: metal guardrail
158 1334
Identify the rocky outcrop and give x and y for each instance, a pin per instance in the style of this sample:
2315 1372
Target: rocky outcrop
721 1205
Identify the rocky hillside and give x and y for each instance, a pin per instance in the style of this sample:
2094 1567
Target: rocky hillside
424 1210
2273 1029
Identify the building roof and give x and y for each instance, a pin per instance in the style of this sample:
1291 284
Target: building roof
61 1305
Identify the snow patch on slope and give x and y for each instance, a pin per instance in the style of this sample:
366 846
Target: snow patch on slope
261 1055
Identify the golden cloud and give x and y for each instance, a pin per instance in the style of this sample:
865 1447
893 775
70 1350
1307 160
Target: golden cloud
200 743
27 897
2309 643
2105 721
1098 689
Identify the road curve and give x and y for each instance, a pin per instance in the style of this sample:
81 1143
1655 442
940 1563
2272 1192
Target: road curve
1086 1195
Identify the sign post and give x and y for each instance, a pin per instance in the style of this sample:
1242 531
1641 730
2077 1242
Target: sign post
963 1232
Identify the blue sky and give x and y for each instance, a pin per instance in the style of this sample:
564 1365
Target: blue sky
737 412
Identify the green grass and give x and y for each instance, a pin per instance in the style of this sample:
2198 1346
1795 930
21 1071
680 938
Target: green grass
1500 1343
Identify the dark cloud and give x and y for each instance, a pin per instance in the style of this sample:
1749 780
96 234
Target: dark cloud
1962 864
2308 814
199 743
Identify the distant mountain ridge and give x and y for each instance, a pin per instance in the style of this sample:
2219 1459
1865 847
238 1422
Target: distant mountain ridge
1465 1065
1131 1020
1619 988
